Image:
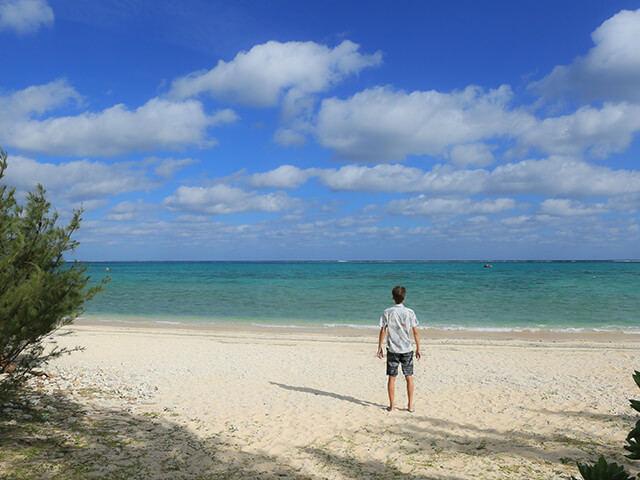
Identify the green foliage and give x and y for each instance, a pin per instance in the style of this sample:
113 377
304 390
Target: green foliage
636 403
612 471
39 292
633 439
601 470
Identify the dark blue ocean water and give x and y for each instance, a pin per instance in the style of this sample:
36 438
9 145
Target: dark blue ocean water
458 295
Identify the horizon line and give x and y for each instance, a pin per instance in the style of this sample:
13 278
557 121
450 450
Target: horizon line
613 260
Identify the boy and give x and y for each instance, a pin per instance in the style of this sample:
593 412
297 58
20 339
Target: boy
397 322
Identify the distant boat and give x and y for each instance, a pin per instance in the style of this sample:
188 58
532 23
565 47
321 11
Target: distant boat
488 265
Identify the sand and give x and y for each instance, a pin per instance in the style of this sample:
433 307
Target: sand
276 403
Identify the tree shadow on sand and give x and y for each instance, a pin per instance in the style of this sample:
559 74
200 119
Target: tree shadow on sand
432 443
428 437
51 436
602 417
350 467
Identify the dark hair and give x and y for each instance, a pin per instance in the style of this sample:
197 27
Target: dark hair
398 294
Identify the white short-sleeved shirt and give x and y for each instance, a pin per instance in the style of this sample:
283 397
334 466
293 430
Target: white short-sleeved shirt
399 321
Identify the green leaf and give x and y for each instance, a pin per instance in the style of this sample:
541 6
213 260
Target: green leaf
633 440
601 470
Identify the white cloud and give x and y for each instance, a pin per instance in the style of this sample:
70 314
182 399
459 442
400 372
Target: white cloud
192 219
604 130
129 211
474 154
36 100
285 176
383 125
609 71
556 176
350 222
261 76
25 16
296 103
181 233
169 166
333 227
424 206
565 207
224 199
115 131
560 176
288 137
394 178
516 221
78 180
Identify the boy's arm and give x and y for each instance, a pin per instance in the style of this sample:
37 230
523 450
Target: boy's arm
380 340
416 337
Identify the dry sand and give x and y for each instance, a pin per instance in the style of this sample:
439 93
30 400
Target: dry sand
270 403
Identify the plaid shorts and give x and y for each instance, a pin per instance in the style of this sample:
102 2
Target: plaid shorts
394 359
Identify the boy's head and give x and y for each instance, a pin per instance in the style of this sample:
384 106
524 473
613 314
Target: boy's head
398 294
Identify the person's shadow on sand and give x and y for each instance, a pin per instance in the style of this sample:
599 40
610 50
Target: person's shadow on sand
346 398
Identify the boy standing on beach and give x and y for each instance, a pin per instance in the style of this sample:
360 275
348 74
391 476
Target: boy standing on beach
397 323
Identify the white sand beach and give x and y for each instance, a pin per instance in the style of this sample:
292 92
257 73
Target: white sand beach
276 403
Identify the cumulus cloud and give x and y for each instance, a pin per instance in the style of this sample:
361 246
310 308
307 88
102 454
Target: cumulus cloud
285 176
565 207
383 125
609 71
169 166
224 199
77 180
265 73
552 176
159 123
560 176
555 176
401 179
603 130
129 211
393 178
25 16
288 137
424 206
474 154
36 100
331 226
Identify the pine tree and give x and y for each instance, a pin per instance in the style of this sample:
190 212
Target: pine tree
39 291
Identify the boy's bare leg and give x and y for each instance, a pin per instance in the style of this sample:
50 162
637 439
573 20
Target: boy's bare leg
391 387
410 391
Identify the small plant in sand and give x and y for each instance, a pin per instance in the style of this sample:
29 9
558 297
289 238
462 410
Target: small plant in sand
633 439
603 470
39 291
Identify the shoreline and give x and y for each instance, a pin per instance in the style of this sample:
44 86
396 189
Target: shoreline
369 332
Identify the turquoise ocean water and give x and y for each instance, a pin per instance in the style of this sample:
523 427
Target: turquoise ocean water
457 295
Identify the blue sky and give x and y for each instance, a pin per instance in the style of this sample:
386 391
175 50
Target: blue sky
287 130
